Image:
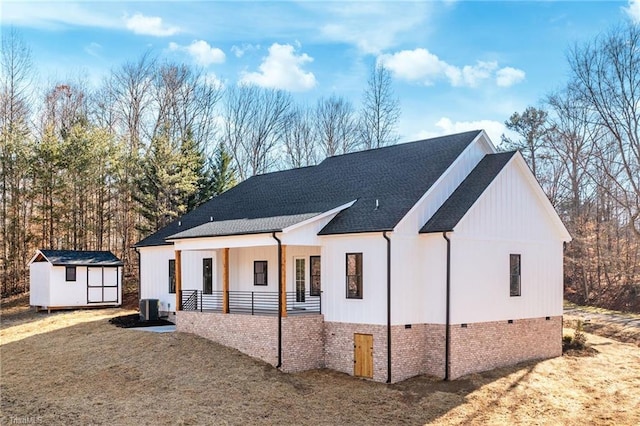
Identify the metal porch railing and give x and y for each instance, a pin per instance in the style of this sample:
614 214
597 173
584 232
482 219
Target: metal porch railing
250 302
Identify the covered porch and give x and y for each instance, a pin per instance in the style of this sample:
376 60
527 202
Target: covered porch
250 275
254 294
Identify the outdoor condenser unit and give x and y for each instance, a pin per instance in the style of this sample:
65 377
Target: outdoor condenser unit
148 309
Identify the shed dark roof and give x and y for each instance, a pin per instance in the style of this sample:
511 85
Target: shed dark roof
81 258
465 196
395 176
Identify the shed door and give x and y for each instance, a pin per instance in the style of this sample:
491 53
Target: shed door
102 285
363 355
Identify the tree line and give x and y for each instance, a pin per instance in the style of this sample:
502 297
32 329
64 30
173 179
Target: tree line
98 168
583 145
101 167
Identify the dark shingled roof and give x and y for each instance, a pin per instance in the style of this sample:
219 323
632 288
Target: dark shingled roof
244 226
465 196
396 176
81 258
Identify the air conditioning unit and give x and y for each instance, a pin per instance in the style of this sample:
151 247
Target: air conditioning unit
149 309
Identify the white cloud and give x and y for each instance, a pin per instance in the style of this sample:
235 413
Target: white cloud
420 65
444 126
49 15
507 76
633 10
239 51
149 25
201 52
282 69
472 75
372 26
212 80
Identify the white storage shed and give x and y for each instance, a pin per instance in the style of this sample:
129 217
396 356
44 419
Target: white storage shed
69 278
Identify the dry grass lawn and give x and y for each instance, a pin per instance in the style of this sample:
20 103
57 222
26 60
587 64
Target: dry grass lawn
75 368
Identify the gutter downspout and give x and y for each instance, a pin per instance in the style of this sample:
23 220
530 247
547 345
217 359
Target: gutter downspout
384 234
279 300
447 344
139 276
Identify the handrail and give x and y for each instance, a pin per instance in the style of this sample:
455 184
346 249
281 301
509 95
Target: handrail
250 302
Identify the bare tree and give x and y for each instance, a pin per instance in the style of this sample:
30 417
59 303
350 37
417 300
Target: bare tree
337 128
380 110
15 82
185 105
300 139
254 122
606 77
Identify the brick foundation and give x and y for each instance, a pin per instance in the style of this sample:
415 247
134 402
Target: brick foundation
489 345
417 350
302 343
257 336
254 335
309 343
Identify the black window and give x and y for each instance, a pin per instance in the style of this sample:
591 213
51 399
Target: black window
70 273
172 276
354 275
207 275
314 270
514 274
260 272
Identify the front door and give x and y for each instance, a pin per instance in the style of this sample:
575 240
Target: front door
300 275
207 275
363 355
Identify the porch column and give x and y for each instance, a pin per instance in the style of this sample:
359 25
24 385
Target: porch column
178 280
225 281
283 281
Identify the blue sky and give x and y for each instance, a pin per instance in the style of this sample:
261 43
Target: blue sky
456 65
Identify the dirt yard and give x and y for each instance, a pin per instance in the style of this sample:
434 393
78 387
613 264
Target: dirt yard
75 368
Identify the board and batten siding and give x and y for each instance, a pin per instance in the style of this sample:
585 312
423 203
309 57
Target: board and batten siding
418 279
241 266
372 308
448 182
154 275
508 218
192 277
39 283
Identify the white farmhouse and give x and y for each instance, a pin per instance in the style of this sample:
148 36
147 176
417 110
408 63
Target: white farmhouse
60 279
440 257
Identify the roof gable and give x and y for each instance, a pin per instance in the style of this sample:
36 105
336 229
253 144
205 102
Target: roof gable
465 196
508 167
77 258
385 182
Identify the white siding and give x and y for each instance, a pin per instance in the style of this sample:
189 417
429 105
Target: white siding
509 209
480 280
438 194
192 269
372 308
39 283
154 275
68 293
508 218
418 276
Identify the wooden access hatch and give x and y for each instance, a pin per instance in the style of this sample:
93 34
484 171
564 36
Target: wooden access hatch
363 355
